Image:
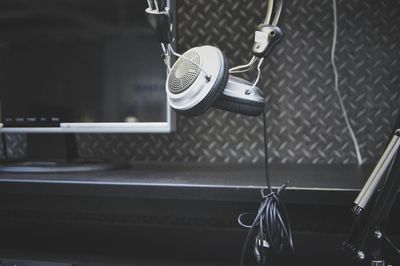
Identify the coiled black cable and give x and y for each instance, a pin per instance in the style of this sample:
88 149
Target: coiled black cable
271 227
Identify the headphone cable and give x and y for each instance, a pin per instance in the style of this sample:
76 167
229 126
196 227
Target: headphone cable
266 151
272 221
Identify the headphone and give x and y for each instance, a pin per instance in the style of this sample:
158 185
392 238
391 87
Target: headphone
201 77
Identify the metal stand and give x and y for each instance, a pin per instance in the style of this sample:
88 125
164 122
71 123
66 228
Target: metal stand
378 263
377 174
373 206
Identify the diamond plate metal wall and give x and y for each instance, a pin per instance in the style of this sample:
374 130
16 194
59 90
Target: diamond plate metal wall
15 146
305 121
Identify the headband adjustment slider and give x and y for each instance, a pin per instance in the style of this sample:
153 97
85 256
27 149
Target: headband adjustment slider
266 38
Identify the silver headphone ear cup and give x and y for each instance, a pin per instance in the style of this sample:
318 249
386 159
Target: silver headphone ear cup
235 99
179 76
213 95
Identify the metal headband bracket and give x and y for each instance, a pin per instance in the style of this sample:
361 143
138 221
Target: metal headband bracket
269 34
266 38
161 20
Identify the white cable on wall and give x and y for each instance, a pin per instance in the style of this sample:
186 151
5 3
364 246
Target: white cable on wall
336 74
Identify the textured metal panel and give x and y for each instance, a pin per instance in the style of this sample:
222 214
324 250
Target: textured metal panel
15 146
305 121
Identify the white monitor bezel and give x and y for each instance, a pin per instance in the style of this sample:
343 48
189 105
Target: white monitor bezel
119 127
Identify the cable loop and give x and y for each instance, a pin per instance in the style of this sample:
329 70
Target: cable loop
271 226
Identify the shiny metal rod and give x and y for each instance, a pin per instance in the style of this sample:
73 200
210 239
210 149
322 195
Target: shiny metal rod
376 176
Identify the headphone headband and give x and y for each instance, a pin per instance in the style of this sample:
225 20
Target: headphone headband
274 8
161 18
158 5
192 94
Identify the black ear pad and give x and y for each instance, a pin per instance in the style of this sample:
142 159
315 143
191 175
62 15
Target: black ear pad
239 106
213 95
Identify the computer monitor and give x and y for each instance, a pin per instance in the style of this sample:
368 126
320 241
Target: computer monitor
79 66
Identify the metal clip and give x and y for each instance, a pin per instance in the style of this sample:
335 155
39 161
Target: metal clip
266 38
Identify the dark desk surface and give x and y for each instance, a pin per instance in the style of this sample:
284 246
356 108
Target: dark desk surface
175 204
196 181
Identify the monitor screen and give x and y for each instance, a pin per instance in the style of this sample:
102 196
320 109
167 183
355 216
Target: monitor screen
80 65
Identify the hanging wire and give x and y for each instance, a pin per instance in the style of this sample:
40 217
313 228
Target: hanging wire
249 91
272 220
337 90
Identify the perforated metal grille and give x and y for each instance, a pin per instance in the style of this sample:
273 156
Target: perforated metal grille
184 73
